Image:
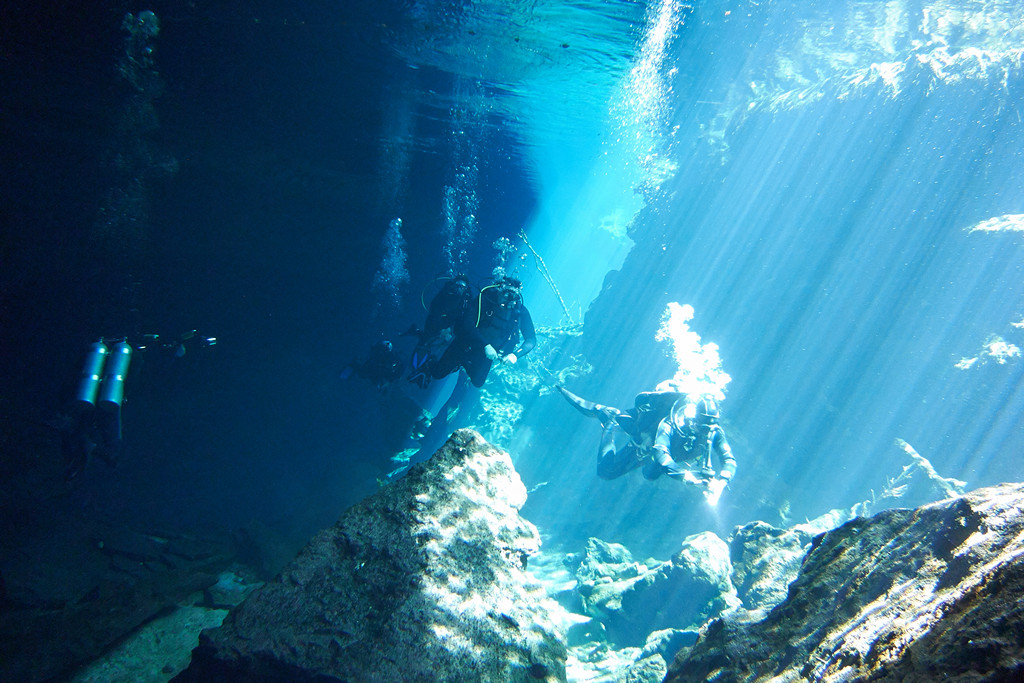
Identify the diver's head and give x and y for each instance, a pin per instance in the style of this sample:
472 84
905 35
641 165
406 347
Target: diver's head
458 286
688 418
510 284
706 412
508 291
681 416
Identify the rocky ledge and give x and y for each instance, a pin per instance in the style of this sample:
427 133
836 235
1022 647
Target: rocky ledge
423 581
933 593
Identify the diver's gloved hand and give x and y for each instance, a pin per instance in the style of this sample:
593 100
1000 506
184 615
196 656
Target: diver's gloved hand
690 477
511 359
490 352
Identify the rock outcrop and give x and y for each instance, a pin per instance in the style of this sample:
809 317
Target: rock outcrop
906 595
423 581
74 588
632 599
765 560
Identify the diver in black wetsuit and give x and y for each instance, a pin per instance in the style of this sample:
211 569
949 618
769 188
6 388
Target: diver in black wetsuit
92 426
666 432
382 366
447 309
489 330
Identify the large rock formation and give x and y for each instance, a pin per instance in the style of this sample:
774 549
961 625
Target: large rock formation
423 581
906 595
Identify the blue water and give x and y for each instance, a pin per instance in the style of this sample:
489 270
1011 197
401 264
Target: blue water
805 175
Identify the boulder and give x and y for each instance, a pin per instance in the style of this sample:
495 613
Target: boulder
602 560
633 599
423 581
905 595
765 561
605 572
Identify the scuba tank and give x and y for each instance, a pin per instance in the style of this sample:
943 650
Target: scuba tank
92 373
112 389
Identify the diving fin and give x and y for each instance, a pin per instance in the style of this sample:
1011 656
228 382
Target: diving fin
420 374
605 414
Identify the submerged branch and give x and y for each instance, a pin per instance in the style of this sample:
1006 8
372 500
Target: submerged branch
542 267
899 485
949 486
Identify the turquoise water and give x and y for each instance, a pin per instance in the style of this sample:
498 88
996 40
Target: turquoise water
834 187
809 178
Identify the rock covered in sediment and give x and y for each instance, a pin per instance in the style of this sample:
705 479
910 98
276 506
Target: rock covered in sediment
423 581
906 595
633 599
765 560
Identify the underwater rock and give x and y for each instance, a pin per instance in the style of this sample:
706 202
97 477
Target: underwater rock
925 594
666 643
76 588
597 661
263 548
633 599
646 670
685 592
660 648
229 591
609 562
604 572
423 581
765 560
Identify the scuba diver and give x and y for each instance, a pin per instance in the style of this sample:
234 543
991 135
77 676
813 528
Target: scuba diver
93 425
666 432
382 366
489 330
447 308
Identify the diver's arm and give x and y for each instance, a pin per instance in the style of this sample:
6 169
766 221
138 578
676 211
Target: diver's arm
526 329
727 463
663 438
661 451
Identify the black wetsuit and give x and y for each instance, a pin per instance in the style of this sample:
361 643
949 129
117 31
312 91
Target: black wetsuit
383 365
446 309
626 442
697 449
498 320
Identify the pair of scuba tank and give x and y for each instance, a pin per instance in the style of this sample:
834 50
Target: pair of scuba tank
103 375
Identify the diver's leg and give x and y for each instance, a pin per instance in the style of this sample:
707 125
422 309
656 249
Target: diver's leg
477 366
617 454
449 361
606 414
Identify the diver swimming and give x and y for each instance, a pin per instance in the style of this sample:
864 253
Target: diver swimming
446 310
667 432
490 330
92 426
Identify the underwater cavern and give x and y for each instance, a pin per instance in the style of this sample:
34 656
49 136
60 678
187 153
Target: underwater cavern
375 342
